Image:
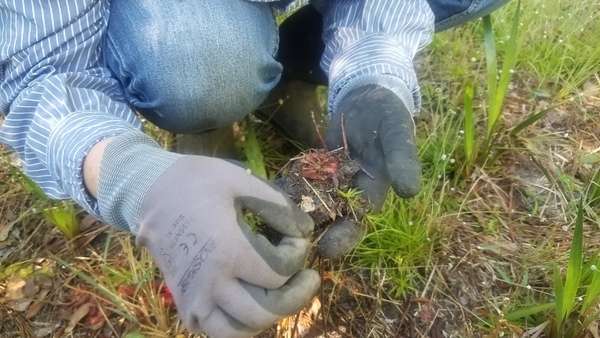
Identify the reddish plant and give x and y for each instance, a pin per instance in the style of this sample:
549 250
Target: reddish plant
319 166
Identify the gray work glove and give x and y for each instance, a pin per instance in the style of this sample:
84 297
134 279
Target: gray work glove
226 280
380 134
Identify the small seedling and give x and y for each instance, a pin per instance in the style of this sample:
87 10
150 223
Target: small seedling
61 214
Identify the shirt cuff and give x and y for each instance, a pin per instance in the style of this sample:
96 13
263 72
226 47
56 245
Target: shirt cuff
68 145
388 65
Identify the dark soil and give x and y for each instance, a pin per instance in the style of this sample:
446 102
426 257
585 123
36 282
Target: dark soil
314 181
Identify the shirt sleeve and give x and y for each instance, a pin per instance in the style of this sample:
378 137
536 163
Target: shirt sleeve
57 96
371 42
374 42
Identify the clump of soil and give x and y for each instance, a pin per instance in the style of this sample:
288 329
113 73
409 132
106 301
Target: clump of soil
314 181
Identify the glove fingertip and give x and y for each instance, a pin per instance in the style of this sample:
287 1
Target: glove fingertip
309 278
302 287
285 218
341 238
304 223
405 178
407 189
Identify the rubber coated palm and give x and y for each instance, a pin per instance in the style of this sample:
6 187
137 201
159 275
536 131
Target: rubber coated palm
380 134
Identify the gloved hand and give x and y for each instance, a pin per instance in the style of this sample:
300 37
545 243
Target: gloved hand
380 133
188 211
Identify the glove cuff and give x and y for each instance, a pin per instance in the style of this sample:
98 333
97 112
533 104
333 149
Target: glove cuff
412 101
130 165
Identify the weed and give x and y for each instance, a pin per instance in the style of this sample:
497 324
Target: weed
251 148
61 214
577 298
580 293
496 91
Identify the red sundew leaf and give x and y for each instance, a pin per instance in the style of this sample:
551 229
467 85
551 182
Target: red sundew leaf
159 287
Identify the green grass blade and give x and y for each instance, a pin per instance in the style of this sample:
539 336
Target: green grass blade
469 126
62 214
529 121
528 311
64 217
575 263
29 184
593 193
503 275
492 69
559 297
497 91
510 61
588 321
592 293
254 156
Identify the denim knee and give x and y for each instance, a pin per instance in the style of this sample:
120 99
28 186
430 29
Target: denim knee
451 13
191 66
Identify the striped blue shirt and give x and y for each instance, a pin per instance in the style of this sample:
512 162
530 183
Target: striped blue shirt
59 98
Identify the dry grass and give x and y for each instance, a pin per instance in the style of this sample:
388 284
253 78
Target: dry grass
492 251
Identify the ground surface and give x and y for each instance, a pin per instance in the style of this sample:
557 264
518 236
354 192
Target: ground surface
461 259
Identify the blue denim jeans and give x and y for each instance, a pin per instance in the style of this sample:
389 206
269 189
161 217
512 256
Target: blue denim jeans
451 13
192 66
